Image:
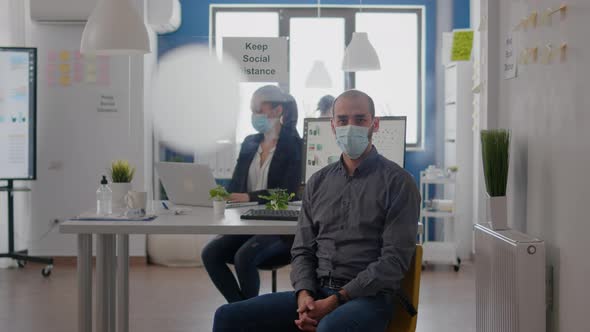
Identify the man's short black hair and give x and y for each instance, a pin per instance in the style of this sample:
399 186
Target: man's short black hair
354 94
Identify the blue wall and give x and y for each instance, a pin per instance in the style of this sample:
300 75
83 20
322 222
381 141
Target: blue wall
461 14
195 26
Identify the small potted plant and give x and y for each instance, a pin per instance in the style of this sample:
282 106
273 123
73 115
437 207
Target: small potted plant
219 196
121 173
495 146
278 199
452 171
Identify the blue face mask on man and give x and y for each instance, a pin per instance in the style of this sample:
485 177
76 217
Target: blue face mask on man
262 123
352 140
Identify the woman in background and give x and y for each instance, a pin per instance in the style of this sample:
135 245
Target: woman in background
325 106
269 159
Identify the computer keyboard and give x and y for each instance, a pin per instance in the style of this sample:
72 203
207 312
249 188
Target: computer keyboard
287 215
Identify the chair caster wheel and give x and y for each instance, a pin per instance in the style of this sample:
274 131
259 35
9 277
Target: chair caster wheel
46 271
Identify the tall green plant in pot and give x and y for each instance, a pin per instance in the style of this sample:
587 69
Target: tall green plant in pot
495 150
121 173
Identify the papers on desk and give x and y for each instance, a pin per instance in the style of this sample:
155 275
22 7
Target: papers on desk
113 217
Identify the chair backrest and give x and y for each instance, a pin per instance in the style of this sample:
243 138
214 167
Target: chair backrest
402 321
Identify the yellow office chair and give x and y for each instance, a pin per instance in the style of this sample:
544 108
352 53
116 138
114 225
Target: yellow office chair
402 321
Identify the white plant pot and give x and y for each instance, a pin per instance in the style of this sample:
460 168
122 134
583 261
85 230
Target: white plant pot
498 213
119 192
219 208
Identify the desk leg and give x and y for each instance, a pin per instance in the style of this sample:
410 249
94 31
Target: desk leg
84 282
105 283
112 289
123 283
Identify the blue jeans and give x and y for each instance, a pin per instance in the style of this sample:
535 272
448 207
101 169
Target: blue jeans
246 252
277 313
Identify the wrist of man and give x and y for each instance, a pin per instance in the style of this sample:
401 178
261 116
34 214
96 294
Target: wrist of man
341 297
304 292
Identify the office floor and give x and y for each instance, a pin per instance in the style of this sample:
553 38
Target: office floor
183 299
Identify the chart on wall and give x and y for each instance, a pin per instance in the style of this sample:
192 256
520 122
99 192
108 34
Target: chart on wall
17 111
321 148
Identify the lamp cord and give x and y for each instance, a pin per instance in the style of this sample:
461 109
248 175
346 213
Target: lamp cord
129 99
319 9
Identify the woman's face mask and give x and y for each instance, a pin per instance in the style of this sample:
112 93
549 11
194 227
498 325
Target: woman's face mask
353 140
264 117
262 123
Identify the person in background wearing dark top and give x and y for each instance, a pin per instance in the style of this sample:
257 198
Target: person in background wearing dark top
354 242
268 160
325 106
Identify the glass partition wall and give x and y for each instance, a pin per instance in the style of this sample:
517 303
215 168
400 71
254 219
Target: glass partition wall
397 33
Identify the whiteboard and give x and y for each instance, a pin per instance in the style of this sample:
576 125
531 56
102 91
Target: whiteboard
321 148
17 113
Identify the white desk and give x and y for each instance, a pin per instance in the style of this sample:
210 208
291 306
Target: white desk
112 275
198 221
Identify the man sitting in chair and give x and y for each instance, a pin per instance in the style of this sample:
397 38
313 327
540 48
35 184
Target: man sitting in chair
354 242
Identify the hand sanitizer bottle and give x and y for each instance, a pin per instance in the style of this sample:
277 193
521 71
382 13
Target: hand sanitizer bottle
104 198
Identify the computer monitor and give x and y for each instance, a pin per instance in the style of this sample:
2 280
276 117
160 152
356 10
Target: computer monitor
320 148
18 71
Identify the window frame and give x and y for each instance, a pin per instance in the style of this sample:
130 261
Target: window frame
348 12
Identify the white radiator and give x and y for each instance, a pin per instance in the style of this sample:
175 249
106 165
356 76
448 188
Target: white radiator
509 281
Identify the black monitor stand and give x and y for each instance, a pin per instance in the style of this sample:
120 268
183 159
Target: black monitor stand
21 256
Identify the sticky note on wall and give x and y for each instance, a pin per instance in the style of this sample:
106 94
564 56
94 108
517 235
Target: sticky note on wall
64 56
90 77
462 45
64 68
65 80
78 71
51 56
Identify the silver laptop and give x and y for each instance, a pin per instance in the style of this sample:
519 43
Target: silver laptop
186 183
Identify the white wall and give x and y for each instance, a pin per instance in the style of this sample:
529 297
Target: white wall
546 108
5 37
12 34
444 23
81 141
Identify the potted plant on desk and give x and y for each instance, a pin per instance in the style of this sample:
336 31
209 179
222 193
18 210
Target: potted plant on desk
495 148
219 196
278 199
121 174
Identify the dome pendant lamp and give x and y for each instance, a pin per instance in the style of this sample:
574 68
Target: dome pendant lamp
115 28
318 77
360 55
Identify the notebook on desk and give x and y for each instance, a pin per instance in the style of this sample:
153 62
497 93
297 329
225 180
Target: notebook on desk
113 217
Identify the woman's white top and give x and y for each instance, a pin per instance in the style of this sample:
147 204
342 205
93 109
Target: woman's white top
258 174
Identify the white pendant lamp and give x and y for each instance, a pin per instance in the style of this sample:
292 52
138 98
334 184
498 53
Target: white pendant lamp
115 28
360 55
318 77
